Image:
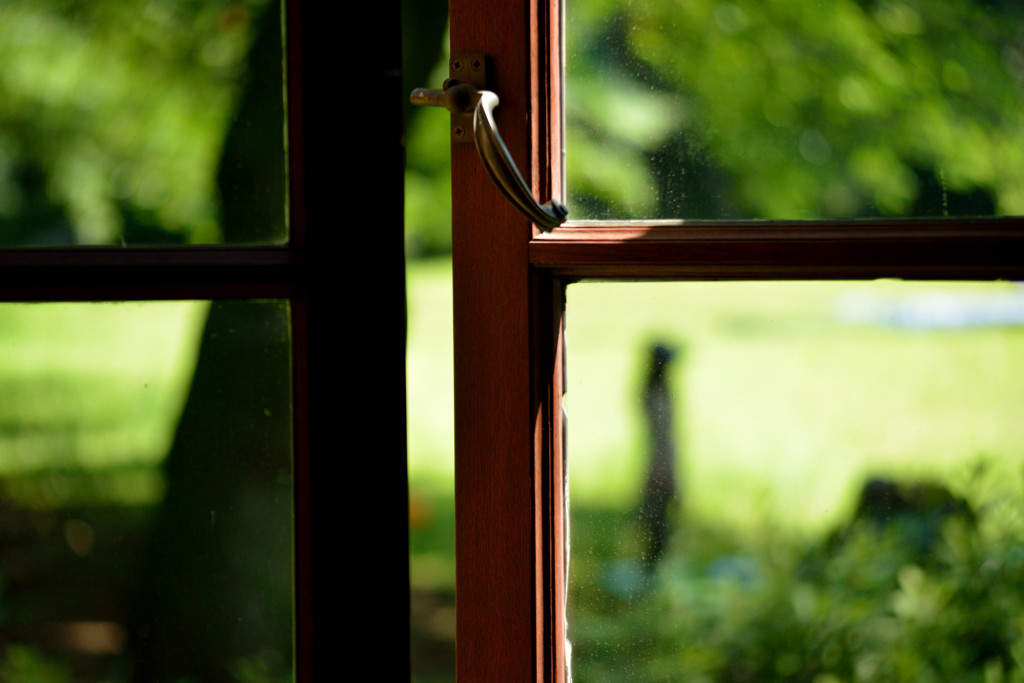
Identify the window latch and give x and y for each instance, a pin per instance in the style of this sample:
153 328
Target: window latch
472 108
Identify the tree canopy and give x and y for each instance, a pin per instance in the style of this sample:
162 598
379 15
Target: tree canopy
775 109
113 115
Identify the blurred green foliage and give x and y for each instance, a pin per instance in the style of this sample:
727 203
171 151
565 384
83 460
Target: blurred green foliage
112 117
871 609
838 108
786 403
428 205
25 664
428 187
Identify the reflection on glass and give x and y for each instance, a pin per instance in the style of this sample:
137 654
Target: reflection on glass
794 110
145 492
796 481
140 122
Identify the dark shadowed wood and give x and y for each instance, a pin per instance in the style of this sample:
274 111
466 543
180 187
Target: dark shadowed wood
115 274
340 342
352 563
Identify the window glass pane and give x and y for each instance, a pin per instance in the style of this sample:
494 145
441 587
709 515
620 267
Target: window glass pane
794 110
141 122
145 492
796 481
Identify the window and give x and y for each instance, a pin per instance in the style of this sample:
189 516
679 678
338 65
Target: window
508 303
325 319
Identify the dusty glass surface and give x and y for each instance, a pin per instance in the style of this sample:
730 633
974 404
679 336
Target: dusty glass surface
141 122
796 481
145 492
794 110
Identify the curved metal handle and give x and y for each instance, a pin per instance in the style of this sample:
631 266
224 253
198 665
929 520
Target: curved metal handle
462 98
503 171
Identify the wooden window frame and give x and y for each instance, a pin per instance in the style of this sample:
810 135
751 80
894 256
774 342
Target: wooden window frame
508 288
338 233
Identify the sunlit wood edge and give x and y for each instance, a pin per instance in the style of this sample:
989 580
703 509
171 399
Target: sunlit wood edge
663 227
973 248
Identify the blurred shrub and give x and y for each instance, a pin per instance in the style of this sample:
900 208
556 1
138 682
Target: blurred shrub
25 664
113 114
868 610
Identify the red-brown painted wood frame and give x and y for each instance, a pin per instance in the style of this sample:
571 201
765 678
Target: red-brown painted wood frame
509 283
772 250
507 379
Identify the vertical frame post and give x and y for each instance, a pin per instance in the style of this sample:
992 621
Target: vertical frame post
507 327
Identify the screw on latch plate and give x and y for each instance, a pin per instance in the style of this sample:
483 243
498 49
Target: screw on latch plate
471 69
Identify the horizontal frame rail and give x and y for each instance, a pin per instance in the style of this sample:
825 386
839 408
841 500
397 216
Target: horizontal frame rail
907 249
122 274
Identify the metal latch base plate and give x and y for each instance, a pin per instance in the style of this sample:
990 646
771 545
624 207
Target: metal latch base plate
471 69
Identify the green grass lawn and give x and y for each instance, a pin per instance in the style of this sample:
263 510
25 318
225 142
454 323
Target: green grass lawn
786 399
89 388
